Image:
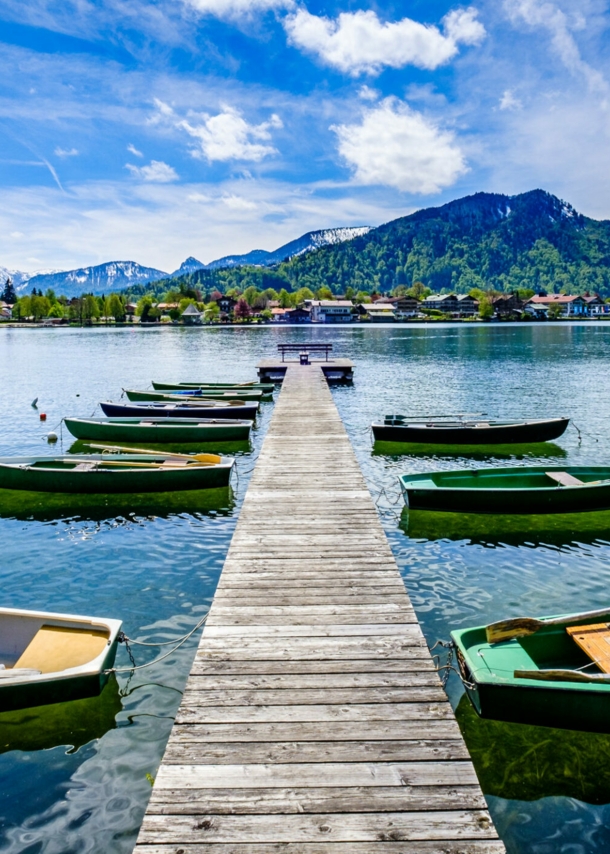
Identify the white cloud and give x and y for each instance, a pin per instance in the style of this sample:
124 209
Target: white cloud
509 101
548 16
156 172
359 43
228 136
367 93
237 8
65 152
238 203
131 148
398 147
17 234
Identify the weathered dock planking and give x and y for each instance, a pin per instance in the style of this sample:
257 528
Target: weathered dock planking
313 720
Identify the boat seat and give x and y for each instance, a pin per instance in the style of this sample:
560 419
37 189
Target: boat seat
56 648
84 467
563 478
594 640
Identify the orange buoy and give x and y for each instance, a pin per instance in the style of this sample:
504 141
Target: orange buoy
43 416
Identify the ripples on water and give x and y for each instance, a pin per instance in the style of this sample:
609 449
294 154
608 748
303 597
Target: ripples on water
73 777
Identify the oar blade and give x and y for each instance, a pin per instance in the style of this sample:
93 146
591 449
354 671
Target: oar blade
519 627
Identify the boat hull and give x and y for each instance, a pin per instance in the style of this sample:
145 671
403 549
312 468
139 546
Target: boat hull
74 683
241 412
501 434
193 395
266 388
495 693
509 490
158 431
27 473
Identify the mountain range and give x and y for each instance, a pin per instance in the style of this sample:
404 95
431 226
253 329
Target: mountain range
122 275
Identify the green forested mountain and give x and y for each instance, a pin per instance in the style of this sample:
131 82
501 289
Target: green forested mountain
533 240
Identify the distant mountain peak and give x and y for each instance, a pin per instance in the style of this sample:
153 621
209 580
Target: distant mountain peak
188 266
98 279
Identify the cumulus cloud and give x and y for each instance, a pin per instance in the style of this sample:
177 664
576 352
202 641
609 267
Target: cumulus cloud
359 43
509 101
157 172
131 148
237 8
398 147
228 136
65 152
548 16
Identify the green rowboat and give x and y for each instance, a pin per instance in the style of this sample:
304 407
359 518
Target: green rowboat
115 473
519 489
159 430
194 395
50 658
266 388
544 678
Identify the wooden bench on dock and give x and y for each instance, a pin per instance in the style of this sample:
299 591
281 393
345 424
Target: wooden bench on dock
304 350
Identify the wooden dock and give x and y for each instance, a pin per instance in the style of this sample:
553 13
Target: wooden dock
313 720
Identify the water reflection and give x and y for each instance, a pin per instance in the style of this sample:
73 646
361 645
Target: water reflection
118 508
72 724
497 530
521 762
489 453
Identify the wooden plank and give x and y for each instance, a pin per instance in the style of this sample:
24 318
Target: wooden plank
313 721
313 800
319 751
338 827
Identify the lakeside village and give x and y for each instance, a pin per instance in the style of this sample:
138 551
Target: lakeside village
192 307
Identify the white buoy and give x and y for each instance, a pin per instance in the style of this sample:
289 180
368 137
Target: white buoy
52 437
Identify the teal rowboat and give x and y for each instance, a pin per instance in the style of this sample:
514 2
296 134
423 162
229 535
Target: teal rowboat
115 473
159 430
543 679
51 658
195 395
266 388
519 489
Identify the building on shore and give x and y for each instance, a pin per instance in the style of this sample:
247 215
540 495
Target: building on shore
291 315
377 312
191 316
331 311
462 305
570 305
403 306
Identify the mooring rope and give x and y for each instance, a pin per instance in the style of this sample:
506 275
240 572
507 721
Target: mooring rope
122 638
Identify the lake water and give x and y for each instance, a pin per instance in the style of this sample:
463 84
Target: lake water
73 778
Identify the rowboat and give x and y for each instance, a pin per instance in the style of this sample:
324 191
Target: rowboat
518 489
115 473
399 428
159 409
266 388
159 430
550 671
194 394
50 658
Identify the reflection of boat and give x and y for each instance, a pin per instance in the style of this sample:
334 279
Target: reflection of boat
114 473
551 671
469 452
209 409
72 724
195 394
398 428
553 529
525 763
117 509
518 489
266 388
52 658
158 430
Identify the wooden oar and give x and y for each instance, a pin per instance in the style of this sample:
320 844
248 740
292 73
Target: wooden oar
521 627
213 459
562 676
167 464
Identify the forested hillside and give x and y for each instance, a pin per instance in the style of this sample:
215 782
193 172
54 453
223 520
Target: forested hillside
533 240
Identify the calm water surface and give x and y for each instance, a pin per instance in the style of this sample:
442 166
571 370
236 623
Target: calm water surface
73 778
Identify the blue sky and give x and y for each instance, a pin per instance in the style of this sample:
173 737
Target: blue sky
150 131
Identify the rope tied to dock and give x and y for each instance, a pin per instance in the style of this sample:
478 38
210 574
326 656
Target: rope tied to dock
122 638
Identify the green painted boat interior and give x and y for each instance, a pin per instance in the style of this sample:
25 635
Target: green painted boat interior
522 477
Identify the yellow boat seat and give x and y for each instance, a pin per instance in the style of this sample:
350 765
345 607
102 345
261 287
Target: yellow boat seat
595 642
56 648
